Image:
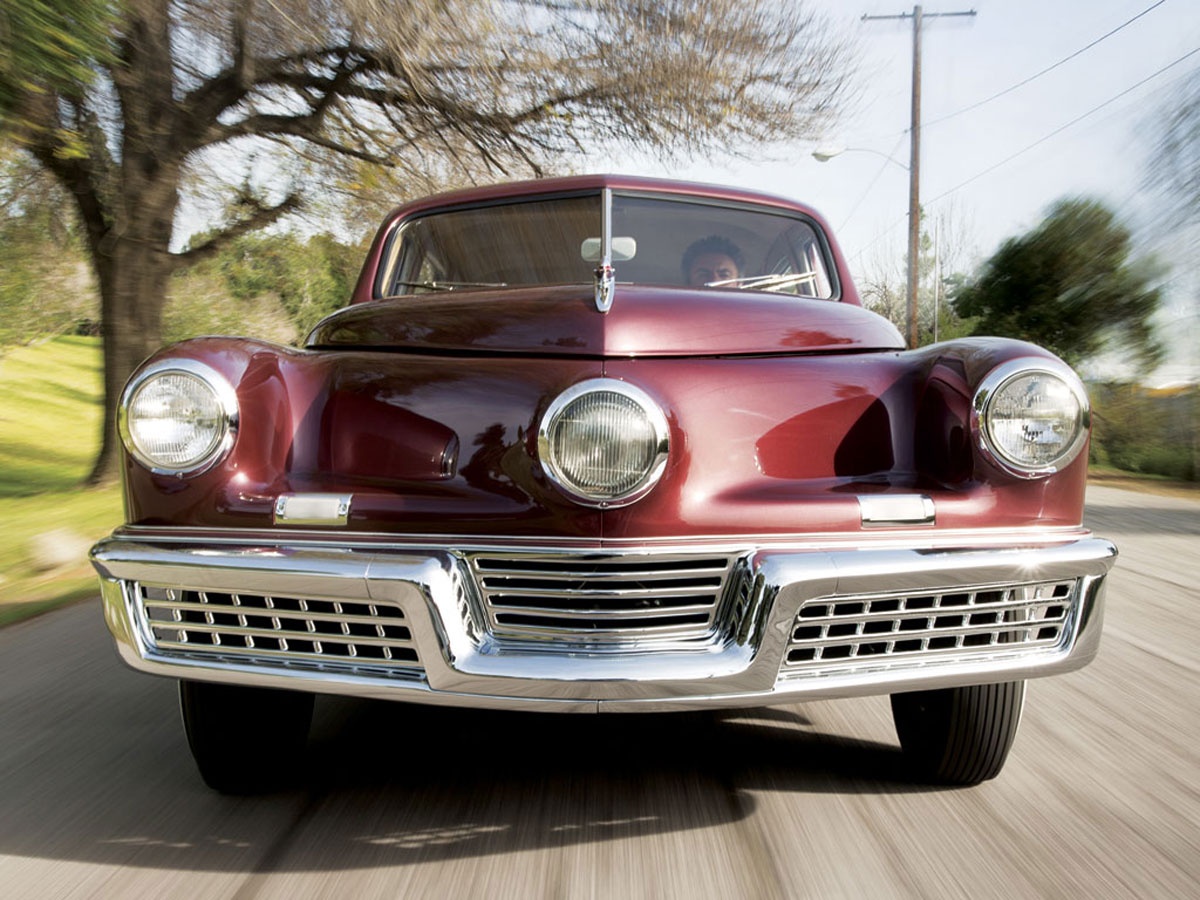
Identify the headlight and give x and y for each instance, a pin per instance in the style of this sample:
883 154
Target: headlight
178 416
1032 416
604 442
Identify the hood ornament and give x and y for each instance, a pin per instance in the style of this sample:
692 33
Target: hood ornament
605 276
606 281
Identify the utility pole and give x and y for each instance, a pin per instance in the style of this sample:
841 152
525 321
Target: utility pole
914 168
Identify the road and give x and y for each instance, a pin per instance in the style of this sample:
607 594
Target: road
1100 798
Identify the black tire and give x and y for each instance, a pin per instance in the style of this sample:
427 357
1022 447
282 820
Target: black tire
959 735
245 740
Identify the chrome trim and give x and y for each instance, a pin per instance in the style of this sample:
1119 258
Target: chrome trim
870 630
312 509
994 381
291 630
605 275
882 510
654 415
211 378
946 538
461 664
601 602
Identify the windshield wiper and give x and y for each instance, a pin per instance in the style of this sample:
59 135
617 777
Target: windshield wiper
765 282
449 285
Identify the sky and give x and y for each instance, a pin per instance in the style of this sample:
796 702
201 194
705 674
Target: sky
964 172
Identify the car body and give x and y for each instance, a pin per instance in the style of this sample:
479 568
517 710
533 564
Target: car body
531 467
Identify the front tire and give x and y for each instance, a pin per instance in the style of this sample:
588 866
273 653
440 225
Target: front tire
245 740
959 735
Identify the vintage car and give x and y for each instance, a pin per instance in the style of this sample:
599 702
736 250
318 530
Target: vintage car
603 444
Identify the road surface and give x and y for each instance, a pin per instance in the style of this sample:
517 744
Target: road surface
1100 798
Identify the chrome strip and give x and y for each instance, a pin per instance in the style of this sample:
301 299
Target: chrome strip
880 510
313 509
900 538
463 666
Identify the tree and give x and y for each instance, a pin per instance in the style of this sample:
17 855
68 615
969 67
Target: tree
1174 171
1175 162
44 278
884 284
270 285
441 89
1068 285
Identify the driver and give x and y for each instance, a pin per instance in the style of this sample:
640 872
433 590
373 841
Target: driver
712 260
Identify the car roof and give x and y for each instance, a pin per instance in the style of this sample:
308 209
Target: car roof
584 183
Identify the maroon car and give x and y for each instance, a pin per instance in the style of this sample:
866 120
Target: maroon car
603 444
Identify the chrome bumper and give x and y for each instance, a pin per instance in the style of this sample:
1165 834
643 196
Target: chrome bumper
788 623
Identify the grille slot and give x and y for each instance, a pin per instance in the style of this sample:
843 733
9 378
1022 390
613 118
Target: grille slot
287 629
852 631
598 600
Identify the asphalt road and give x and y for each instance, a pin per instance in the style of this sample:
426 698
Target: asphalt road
1100 798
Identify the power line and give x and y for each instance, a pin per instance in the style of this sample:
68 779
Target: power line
1035 76
1037 143
871 185
1063 128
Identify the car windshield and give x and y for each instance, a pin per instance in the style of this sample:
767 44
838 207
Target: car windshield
655 240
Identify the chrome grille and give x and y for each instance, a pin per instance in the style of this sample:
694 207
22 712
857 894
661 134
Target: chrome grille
602 599
287 629
836 632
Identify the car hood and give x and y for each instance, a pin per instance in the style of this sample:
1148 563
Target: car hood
563 321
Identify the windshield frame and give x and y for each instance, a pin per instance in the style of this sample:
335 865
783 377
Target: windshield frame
389 257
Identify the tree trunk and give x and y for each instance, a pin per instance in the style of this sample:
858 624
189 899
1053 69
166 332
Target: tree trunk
133 278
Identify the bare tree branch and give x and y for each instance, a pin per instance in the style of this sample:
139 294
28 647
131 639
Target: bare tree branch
260 216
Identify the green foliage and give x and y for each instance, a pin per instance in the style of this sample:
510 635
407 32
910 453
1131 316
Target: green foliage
272 286
46 283
1068 285
201 303
51 45
950 324
280 282
1140 430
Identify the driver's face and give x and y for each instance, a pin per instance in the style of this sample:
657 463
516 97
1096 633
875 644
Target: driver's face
709 267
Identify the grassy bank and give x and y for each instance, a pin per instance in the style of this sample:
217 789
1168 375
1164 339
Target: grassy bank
50 408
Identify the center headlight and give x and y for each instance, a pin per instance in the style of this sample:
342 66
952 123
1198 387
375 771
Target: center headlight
604 442
1033 416
178 416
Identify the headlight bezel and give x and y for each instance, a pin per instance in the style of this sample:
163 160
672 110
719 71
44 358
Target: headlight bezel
655 417
995 382
222 391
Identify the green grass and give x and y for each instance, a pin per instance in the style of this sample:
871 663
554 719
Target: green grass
50 410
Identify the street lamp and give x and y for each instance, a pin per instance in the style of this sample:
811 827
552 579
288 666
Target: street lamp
824 154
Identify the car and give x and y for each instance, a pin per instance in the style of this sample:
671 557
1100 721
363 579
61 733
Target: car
603 444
